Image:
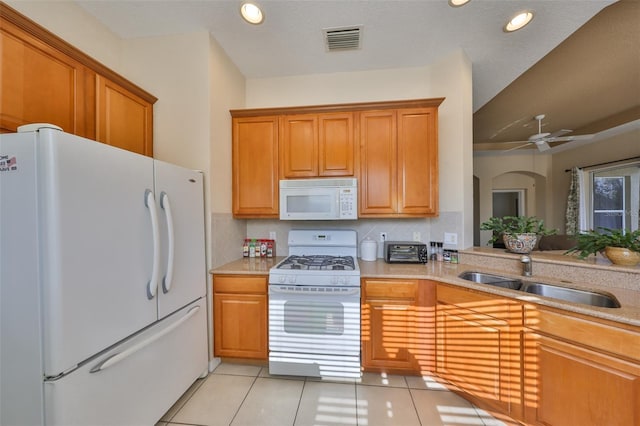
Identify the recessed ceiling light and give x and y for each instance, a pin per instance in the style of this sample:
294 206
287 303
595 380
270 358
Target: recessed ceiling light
251 13
518 21
458 3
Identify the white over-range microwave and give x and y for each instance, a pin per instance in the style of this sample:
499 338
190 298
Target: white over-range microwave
319 199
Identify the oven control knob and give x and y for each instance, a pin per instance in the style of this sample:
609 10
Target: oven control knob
281 279
345 280
292 279
334 280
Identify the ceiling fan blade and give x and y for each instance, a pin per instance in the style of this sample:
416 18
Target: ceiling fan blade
561 132
569 138
543 146
517 147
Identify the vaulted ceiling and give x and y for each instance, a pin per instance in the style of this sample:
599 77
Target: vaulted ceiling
583 73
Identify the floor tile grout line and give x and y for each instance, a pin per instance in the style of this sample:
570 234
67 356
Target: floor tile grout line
188 399
413 401
255 379
304 384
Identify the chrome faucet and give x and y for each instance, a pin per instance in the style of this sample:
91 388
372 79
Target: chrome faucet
527 265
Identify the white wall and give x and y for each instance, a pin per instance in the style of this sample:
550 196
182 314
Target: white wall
227 92
450 78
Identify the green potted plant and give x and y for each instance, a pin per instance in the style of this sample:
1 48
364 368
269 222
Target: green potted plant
621 247
519 233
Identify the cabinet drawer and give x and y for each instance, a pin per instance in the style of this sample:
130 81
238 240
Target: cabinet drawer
390 289
240 284
589 333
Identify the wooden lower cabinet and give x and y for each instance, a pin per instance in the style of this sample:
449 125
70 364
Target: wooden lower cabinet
478 347
580 372
240 316
397 325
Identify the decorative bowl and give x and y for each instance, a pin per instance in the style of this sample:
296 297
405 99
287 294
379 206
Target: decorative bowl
622 256
520 243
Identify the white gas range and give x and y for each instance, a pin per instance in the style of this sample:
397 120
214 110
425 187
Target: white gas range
314 306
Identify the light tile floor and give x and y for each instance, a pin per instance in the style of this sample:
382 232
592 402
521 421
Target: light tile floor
246 395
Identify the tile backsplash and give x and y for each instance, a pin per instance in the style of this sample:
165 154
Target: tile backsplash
225 230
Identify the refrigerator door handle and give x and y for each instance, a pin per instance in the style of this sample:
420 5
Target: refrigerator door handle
117 357
150 202
166 206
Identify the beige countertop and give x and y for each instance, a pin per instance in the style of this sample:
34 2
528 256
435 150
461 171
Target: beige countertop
629 298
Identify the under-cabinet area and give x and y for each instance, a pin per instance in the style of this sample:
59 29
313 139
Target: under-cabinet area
516 357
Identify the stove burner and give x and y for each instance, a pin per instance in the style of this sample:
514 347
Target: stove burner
318 262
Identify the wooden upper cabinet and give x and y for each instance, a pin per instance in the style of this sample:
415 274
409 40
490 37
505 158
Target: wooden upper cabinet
391 147
336 150
255 167
123 119
42 85
299 147
46 80
418 161
317 145
378 163
399 162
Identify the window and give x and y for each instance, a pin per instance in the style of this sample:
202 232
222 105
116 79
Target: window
609 202
614 197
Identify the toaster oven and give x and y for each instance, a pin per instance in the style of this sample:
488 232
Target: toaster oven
405 252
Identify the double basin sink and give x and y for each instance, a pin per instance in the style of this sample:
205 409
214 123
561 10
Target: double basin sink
586 297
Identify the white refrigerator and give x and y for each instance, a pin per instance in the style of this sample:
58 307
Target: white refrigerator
103 282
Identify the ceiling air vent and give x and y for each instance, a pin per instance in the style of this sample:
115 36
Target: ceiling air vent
342 38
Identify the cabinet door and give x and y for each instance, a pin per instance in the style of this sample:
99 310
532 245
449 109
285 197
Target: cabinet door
123 119
336 145
478 346
255 167
388 334
378 163
240 325
39 84
578 386
417 162
299 146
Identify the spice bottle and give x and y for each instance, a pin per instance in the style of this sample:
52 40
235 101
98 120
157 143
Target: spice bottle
245 248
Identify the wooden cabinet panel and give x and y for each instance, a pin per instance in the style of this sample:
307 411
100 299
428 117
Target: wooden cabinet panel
45 79
378 163
336 149
418 161
255 167
241 322
579 371
240 312
317 145
299 146
41 85
123 119
478 346
578 386
391 335
398 330
399 163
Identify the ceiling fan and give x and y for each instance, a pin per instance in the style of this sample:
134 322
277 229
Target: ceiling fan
543 139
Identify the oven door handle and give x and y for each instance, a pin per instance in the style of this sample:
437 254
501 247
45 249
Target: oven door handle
344 291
